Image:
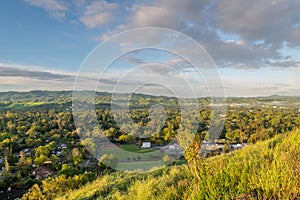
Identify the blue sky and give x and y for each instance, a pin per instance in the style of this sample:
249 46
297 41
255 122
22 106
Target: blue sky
255 44
31 36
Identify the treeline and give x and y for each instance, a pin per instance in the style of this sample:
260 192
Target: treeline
242 124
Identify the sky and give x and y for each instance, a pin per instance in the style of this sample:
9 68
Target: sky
254 46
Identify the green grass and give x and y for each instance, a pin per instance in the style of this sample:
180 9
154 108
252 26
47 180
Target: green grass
266 170
132 186
135 158
132 152
134 148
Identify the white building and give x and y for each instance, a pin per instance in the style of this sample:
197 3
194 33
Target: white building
146 145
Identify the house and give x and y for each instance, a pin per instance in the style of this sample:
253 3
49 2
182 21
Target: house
43 172
236 146
146 145
63 146
174 150
57 153
211 146
174 147
27 151
48 162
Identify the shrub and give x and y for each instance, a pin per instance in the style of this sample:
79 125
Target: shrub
108 161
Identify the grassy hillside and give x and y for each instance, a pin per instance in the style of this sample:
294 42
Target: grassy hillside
266 170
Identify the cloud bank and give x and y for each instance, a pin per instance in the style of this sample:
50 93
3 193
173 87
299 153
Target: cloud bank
240 35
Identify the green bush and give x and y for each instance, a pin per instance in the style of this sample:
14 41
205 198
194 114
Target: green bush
108 161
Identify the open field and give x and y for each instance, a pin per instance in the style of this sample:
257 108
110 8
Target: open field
134 148
132 153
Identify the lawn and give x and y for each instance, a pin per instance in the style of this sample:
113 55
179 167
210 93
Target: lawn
132 158
135 149
132 153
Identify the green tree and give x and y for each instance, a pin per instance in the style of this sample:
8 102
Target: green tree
77 156
22 160
168 159
108 161
125 138
34 194
6 165
41 159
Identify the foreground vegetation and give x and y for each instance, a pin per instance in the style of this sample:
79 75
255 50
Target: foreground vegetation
265 170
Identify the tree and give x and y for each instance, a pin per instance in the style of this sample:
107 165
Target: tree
55 160
32 131
227 147
7 167
126 138
108 161
44 150
111 133
22 160
68 170
34 194
191 144
77 156
168 159
41 159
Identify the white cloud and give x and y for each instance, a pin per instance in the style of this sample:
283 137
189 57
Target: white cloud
56 9
79 3
91 13
96 20
98 13
272 22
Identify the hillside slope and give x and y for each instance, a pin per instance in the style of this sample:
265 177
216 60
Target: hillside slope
266 170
